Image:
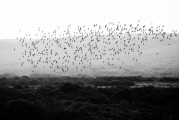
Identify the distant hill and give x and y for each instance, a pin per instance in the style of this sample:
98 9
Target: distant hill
6 75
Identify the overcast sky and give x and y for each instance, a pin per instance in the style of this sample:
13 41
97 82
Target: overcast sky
28 15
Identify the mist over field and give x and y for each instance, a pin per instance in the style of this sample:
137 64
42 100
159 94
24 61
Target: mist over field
158 59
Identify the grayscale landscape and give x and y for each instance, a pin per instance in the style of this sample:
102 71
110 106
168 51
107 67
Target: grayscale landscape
89 60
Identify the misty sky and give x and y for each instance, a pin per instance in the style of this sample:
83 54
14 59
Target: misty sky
28 15
25 17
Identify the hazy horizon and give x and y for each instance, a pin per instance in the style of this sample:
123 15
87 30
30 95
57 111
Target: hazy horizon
46 23
163 64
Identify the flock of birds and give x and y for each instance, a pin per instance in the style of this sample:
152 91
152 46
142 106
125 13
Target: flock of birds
86 47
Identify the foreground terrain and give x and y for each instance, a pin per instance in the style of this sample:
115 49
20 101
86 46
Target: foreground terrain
102 98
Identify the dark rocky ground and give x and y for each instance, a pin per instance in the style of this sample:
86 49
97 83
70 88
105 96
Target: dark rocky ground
24 98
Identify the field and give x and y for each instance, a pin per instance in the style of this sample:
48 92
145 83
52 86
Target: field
89 98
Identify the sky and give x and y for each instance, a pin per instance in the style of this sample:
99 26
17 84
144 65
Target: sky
28 15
